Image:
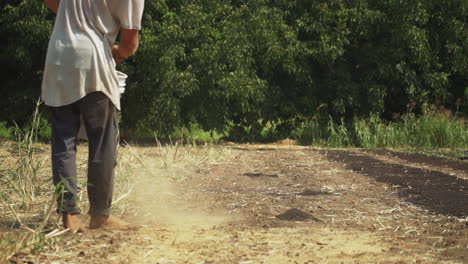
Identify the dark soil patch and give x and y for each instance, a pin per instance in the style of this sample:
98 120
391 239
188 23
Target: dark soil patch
436 191
423 159
294 215
259 174
309 192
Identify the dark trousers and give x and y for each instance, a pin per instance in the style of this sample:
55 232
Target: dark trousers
100 120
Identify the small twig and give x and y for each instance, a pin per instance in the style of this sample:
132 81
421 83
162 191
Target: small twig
51 233
48 213
57 232
381 223
123 196
174 241
412 231
148 253
158 143
19 220
175 152
439 239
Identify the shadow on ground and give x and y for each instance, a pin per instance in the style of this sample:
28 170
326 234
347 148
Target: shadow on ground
424 159
436 191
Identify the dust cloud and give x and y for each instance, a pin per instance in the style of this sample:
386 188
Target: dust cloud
162 202
159 195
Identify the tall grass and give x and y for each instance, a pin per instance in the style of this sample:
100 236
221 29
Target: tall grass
428 131
190 133
26 202
26 176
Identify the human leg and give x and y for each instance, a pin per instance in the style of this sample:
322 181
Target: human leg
100 117
65 125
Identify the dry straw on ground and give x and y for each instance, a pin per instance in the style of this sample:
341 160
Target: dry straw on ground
29 224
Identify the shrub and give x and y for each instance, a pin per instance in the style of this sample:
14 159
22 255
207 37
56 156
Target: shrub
5 132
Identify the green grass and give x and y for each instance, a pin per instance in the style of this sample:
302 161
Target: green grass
191 134
5 132
195 134
39 124
430 131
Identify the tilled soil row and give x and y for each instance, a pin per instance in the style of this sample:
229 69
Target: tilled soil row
296 205
315 206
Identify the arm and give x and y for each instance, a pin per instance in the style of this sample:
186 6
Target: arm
52 5
128 44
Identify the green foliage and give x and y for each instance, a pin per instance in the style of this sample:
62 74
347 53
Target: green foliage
432 131
43 129
429 131
229 63
37 123
25 26
197 66
41 126
5 132
195 134
247 65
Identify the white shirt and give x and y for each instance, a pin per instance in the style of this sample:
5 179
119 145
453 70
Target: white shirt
79 56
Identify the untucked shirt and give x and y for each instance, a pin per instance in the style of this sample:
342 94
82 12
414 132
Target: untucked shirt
79 56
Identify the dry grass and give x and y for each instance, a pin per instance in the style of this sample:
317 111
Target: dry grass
26 199
27 202
142 168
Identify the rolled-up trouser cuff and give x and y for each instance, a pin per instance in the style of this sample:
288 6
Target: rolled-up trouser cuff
72 210
66 203
99 212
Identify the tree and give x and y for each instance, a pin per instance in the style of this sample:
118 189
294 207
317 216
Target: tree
25 27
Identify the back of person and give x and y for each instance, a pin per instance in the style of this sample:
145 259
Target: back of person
79 58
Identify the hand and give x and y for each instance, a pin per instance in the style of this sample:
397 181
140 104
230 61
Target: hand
116 54
52 5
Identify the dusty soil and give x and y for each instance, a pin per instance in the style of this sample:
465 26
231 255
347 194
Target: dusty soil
288 204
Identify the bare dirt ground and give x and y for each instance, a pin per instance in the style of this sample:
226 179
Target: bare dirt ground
278 204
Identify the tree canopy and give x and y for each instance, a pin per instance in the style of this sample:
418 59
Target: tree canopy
233 62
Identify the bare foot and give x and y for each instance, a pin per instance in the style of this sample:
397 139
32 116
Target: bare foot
109 222
72 222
